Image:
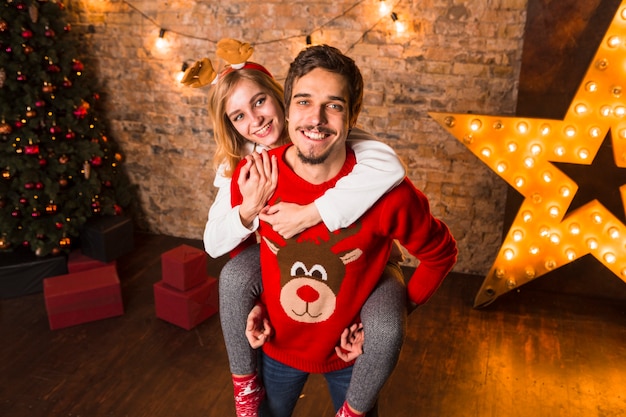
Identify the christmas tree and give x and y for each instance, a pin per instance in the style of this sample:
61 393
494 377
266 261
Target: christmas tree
57 165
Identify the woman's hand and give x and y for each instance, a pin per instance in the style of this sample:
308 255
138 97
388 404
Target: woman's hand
257 182
351 345
258 329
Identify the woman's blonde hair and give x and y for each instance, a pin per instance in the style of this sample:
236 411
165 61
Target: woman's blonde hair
230 143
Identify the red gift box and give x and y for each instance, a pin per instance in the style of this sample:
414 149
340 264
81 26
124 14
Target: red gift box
184 267
189 308
82 297
77 262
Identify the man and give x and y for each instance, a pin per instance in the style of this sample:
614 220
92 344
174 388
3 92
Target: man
315 284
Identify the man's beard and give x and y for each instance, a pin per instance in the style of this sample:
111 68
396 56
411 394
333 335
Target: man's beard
313 160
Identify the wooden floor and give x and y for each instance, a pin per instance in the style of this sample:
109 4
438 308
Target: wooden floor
531 354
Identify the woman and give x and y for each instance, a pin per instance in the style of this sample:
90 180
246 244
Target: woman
248 113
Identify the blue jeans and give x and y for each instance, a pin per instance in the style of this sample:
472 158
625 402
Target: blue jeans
283 385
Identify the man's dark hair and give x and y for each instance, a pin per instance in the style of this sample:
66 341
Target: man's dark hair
330 59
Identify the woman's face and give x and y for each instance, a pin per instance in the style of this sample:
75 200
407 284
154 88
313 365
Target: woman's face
255 114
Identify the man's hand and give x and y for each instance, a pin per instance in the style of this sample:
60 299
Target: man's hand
351 345
258 329
257 182
289 219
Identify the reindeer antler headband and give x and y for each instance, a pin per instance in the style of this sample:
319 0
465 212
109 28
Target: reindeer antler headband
234 52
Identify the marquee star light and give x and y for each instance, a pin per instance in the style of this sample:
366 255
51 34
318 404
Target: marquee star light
549 231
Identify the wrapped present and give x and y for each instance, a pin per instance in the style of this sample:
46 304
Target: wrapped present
189 308
22 272
184 267
77 262
106 238
82 297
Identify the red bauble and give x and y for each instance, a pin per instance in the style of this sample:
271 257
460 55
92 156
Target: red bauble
55 129
5 128
67 83
21 77
39 186
54 68
77 65
35 214
29 185
23 201
27 34
118 210
28 49
16 214
40 103
43 162
96 161
49 33
58 225
70 135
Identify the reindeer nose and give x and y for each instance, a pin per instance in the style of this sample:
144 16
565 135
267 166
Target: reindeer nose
308 294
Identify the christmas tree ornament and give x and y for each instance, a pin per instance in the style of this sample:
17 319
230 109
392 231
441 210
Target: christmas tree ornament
63 159
33 12
65 242
30 112
27 49
27 34
47 87
86 170
3 25
4 243
3 77
5 128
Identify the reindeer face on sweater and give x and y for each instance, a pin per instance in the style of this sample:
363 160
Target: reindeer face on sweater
311 275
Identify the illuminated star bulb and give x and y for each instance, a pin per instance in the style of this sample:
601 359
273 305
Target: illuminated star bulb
591 86
570 131
574 228
613 41
509 254
592 243
595 132
522 127
512 146
580 109
518 235
610 257
571 254
614 232
619 111
475 125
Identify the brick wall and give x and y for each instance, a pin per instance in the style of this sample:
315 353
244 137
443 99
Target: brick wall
458 56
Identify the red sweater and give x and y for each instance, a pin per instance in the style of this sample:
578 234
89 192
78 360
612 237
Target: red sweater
315 283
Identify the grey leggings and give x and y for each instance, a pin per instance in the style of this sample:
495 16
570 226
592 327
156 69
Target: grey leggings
383 316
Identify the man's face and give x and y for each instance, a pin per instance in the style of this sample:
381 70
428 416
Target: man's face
318 116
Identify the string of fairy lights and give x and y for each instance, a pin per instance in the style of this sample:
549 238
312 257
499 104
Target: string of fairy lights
385 9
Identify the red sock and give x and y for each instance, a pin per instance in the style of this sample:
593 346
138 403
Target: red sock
345 411
248 395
